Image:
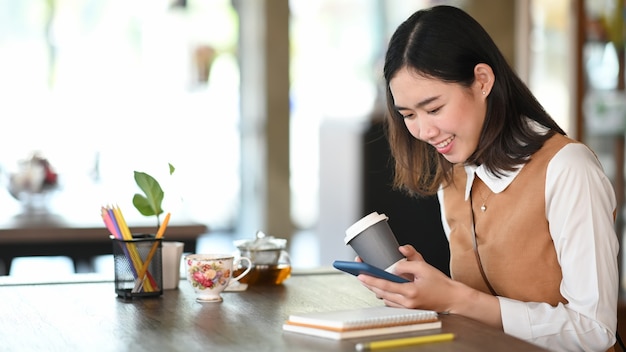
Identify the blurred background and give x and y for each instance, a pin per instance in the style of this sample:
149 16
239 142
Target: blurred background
269 110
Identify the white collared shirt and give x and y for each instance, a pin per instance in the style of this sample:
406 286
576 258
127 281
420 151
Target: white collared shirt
580 201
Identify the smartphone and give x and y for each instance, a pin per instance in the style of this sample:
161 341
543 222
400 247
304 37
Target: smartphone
356 268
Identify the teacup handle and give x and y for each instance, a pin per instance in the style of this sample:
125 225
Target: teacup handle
236 265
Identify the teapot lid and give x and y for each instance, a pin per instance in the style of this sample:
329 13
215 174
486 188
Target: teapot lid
261 242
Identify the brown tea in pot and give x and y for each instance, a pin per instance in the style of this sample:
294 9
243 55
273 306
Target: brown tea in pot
270 261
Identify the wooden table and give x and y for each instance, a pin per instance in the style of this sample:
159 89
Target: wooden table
87 316
39 234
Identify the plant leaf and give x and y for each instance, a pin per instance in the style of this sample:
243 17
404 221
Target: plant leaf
143 205
153 194
172 168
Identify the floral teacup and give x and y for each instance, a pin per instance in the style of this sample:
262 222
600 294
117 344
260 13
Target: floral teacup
209 274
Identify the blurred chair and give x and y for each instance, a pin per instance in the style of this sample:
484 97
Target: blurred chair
104 264
44 267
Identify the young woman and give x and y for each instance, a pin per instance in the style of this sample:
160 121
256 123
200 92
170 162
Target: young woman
528 212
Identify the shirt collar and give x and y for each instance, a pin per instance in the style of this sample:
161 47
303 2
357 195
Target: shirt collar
496 184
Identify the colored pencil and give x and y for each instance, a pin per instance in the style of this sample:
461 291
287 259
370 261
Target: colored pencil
155 245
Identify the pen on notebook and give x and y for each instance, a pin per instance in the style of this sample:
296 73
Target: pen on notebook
403 342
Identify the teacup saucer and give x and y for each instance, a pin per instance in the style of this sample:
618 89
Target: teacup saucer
209 300
235 286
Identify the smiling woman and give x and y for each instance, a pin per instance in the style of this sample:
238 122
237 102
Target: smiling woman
464 126
447 116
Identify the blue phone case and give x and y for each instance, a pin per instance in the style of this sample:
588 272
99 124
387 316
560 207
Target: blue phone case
356 268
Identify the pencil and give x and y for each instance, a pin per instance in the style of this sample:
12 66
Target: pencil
403 342
146 264
132 249
109 224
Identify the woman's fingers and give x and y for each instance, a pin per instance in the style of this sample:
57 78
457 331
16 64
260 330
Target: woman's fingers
410 253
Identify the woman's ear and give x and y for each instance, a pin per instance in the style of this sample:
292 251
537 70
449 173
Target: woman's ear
484 78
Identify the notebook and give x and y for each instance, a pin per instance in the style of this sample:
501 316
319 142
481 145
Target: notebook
370 321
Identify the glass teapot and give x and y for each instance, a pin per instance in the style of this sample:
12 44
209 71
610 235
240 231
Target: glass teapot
270 261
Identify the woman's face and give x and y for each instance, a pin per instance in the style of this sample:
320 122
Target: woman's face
447 116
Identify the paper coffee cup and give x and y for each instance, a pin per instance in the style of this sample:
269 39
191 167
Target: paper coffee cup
374 242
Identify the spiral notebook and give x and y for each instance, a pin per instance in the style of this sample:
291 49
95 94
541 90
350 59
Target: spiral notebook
370 321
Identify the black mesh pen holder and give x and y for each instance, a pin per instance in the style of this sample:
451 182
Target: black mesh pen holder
138 266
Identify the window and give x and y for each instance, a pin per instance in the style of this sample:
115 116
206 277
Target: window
551 69
103 88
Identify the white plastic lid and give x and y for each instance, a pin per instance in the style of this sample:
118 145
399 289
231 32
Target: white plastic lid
363 224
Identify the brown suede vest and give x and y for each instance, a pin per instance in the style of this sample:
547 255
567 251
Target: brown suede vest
513 238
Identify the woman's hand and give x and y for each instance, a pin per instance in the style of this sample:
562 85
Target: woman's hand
430 288
433 290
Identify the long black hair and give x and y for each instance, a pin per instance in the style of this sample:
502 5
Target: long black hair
445 43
